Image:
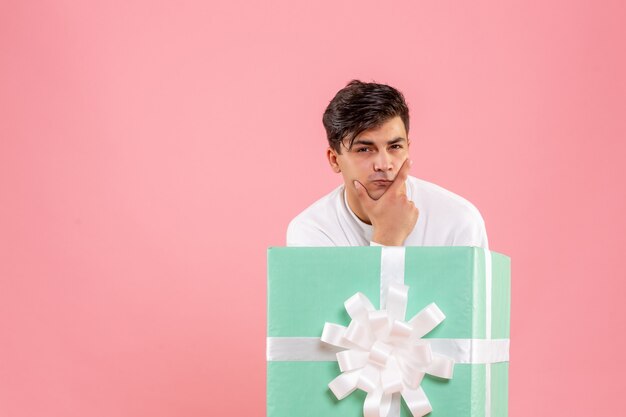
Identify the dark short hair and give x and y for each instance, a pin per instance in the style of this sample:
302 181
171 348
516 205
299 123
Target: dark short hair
361 106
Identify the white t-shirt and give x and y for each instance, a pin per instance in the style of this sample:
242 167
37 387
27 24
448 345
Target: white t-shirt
445 219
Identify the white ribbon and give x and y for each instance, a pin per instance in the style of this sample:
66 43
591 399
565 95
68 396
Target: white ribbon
488 284
384 354
462 351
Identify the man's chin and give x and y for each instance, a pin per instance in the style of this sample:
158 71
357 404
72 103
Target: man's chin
376 194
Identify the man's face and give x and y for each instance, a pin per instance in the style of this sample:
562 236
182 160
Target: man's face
376 154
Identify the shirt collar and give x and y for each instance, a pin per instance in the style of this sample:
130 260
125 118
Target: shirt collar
367 229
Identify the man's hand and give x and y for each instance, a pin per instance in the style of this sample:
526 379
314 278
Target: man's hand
393 215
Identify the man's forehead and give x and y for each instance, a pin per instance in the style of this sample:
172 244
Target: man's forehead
390 132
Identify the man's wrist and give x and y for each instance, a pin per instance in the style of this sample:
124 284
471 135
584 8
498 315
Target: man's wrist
387 241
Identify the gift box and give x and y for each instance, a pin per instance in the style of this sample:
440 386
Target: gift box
449 306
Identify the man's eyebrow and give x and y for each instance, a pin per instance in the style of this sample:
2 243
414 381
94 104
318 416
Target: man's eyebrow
369 142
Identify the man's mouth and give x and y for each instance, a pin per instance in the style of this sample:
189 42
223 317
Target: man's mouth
381 182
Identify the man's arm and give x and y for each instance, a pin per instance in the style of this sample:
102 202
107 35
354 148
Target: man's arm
303 234
299 234
473 234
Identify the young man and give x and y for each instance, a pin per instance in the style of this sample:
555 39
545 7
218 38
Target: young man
367 126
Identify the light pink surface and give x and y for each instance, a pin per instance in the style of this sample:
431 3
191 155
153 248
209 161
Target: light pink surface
150 152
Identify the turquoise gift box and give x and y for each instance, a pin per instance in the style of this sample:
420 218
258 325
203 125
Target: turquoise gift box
307 287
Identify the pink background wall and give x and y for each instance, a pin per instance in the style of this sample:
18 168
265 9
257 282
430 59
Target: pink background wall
150 152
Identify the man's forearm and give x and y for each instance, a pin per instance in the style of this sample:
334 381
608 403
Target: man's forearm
382 239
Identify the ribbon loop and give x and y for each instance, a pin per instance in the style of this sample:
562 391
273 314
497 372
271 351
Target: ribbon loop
400 330
380 352
358 307
369 379
417 401
333 334
351 359
344 384
391 377
359 334
441 367
379 322
377 404
397 296
426 320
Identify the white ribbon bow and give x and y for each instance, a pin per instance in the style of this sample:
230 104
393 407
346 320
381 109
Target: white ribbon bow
385 354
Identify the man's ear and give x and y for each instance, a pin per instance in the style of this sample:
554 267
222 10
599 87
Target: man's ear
333 160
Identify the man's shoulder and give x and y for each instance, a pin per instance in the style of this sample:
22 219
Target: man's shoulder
321 208
454 220
312 224
438 199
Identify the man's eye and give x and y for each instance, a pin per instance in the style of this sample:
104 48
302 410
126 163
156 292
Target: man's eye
398 146
362 149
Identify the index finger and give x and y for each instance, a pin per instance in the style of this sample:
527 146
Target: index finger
400 179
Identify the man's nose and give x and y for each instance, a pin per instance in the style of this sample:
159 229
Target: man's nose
382 162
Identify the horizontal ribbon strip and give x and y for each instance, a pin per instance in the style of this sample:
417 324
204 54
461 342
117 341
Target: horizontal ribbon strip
312 349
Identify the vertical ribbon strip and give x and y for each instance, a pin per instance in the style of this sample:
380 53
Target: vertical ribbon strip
488 298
